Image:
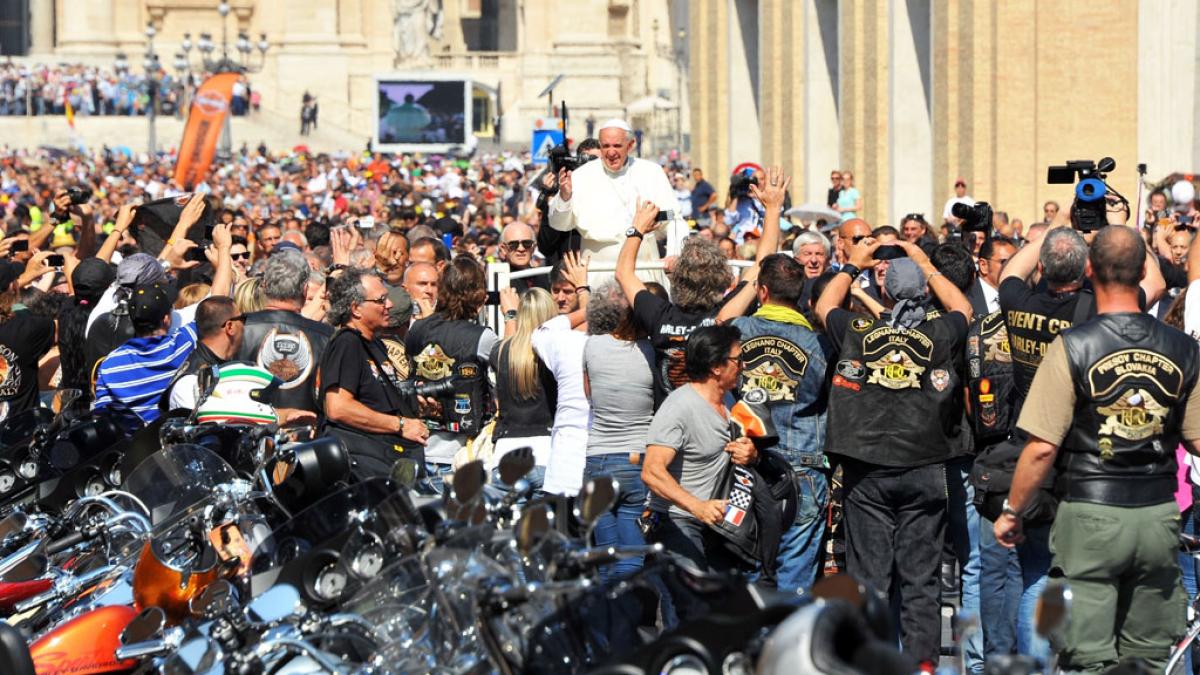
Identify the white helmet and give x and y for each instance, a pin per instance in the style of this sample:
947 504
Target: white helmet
232 400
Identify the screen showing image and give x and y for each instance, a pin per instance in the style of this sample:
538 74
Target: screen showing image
416 112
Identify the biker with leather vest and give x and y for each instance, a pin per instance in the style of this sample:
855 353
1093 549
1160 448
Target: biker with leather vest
1110 402
283 341
895 417
450 344
785 358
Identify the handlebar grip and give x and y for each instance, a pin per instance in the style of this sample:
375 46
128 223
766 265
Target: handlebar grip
60 545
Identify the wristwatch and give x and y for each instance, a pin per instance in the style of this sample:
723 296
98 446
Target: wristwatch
634 232
1008 510
851 270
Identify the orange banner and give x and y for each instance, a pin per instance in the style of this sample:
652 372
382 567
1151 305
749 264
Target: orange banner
205 120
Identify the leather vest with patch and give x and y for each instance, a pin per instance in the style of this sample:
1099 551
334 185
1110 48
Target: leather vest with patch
896 396
289 346
990 383
1132 377
441 350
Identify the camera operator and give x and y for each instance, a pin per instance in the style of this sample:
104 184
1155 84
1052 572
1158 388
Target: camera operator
360 390
599 199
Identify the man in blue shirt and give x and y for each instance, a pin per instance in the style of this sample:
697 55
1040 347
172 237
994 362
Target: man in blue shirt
136 374
703 196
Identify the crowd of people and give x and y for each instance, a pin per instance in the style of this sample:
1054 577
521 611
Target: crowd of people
926 367
43 89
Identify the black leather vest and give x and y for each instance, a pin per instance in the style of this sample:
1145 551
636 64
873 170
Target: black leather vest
896 396
200 356
990 383
441 350
1132 376
289 346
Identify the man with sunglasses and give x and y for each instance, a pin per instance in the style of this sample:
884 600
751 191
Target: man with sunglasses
220 328
517 246
851 232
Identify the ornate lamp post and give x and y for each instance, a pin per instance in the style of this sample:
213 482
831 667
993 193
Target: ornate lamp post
243 47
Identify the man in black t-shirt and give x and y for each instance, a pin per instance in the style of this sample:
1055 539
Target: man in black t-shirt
359 383
24 339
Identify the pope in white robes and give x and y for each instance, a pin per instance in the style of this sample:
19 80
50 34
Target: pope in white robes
599 200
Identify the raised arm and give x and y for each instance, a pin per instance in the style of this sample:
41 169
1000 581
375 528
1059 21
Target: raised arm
222 283
943 289
771 196
124 220
644 223
575 269
861 256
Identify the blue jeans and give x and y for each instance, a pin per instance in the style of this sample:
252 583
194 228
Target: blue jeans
434 482
1187 569
800 547
1000 588
619 527
1033 566
963 530
498 489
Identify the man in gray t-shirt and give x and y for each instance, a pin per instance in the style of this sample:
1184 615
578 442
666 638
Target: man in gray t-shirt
688 449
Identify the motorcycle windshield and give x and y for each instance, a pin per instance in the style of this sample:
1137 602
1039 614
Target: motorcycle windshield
176 478
331 517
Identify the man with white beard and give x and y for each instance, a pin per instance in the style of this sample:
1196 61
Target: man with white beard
603 206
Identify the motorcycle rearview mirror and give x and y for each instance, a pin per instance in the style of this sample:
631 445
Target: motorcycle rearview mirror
147 625
14 523
532 527
28 569
468 482
275 604
216 599
516 464
404 472
597 497
1053 608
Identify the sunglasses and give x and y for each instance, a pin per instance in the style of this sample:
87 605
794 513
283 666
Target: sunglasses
239 317
859 237
519 244
240 256
381 299
915 216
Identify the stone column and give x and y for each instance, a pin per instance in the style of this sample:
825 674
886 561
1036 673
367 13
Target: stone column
41 29
909 112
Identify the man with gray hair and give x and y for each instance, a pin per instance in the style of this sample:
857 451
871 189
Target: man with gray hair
812 249
609 193
279 338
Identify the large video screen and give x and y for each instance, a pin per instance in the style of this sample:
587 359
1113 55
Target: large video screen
414 112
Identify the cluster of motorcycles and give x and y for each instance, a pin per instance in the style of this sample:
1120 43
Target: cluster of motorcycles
201 547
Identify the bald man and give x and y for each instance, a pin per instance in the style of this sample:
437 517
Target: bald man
391 259
421 280
855 227
517 246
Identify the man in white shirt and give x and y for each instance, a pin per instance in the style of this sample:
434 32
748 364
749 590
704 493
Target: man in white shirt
960 197
993 255
609 191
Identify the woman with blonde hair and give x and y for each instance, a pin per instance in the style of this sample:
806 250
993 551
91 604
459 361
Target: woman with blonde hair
525 387
248 297
191 294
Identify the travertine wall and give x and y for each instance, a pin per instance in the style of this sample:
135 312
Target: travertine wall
928 90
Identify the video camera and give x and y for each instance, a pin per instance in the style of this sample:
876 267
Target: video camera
410 390
1089 210
560 155
975 217
739 184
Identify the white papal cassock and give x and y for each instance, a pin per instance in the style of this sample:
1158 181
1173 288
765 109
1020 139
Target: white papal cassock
602 207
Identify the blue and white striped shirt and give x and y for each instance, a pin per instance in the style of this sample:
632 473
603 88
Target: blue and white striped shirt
136 374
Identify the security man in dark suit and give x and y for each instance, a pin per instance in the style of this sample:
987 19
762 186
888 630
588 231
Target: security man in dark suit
1111 400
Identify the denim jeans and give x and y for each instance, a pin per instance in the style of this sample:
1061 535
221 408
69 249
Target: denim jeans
1010 594
963 531
800 547
498 489
1000 588
434 482
619 527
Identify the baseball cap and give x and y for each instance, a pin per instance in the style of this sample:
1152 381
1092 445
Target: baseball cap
92 276
960 181
148 304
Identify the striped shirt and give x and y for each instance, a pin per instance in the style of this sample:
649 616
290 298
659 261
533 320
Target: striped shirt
136 374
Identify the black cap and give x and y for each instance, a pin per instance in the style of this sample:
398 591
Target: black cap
92 276
148 305
446 225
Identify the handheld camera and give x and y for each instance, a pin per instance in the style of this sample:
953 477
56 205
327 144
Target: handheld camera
1089 210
